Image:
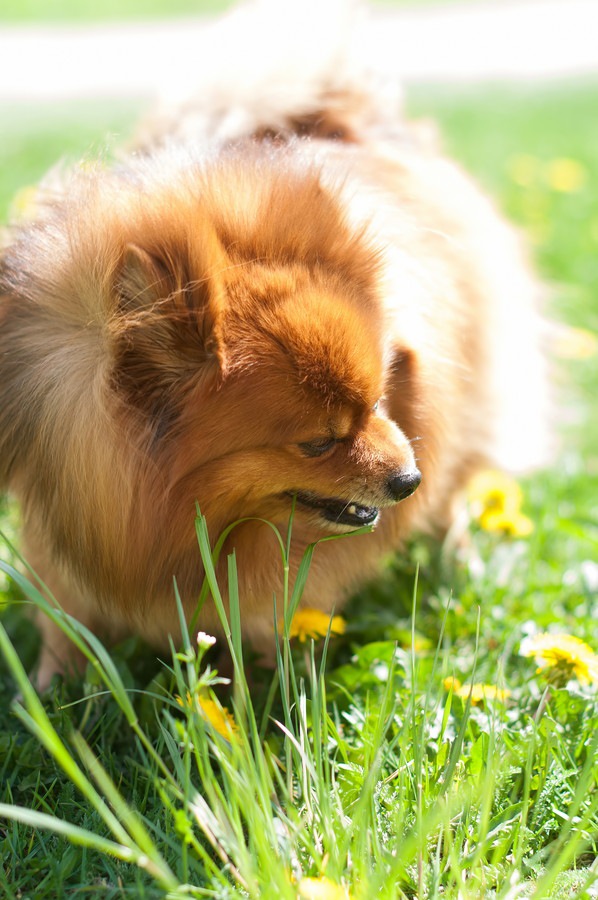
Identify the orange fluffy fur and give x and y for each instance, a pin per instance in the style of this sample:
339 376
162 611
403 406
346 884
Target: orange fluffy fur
309 301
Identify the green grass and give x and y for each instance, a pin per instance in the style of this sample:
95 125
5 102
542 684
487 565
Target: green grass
376 775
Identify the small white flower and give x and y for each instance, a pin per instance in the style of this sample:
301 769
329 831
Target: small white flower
205 641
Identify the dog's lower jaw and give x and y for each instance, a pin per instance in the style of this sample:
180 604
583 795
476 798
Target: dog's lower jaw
343 515
328 527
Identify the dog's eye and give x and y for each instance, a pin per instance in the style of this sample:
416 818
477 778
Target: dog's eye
317 448
375 406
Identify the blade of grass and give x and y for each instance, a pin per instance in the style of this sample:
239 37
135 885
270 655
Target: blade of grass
37 721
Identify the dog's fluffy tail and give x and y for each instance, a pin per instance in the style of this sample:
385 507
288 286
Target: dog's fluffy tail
274 66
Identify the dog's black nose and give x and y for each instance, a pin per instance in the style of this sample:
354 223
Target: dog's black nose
403 484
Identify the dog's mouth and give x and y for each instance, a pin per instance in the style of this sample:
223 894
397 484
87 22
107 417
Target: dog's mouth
339 512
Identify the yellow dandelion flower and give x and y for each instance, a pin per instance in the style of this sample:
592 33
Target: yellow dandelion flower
513 524
495 500
565 655
420 644
322 889
482 692
492 491
90 166
216 715
313 623
574 343
24 204
565 175
479 692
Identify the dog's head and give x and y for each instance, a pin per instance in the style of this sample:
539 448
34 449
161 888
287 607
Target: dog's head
251 338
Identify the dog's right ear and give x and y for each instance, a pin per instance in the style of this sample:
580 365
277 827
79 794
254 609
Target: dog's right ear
142 279
181 289
168 321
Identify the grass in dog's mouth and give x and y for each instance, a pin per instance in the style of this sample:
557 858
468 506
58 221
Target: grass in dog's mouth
338 511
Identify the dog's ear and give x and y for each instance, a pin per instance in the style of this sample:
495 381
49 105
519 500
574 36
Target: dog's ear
177 290
402 389
142 279
168 322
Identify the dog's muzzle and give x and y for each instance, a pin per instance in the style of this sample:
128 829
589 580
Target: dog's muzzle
354 515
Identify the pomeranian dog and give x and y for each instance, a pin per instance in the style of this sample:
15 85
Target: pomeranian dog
281 294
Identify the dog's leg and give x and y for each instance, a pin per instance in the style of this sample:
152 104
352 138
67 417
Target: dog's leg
58 654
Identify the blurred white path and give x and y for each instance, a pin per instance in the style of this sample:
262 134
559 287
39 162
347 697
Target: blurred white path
512 39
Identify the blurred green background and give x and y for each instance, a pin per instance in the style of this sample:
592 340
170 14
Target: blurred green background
92 11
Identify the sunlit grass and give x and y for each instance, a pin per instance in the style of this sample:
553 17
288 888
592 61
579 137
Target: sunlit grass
418 786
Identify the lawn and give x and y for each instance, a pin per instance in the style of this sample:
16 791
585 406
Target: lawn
417 754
